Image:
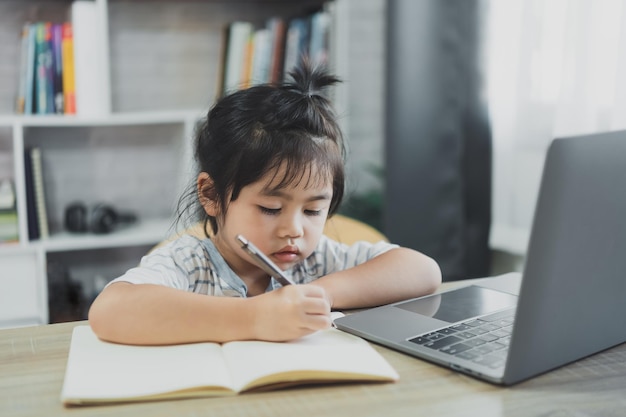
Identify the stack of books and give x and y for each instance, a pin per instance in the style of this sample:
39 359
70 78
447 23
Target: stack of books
63 70
259 55
46 83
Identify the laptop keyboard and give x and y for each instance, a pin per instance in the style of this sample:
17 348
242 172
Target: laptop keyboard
484 341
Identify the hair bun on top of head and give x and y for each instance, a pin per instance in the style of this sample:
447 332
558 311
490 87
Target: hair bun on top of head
299 103
310 80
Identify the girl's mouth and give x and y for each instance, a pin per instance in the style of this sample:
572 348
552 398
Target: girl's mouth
287 255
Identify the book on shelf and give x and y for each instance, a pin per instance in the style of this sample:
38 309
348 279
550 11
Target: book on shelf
246 64
43 69
297 42
37 215
67 59
278 30
31 205
29 68
236 46
40 195
103 372
49 67
56 42
319 38
261 57
221 67
20 105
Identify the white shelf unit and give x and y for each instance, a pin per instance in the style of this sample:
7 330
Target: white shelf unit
159 57
135 163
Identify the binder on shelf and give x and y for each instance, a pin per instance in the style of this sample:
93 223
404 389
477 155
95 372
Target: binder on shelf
40 196
31 206
37 215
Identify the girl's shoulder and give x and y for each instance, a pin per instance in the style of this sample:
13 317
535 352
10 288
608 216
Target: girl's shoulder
182 246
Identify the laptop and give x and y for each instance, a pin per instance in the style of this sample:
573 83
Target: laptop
571 301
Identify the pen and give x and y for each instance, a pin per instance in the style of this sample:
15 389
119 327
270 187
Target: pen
263 261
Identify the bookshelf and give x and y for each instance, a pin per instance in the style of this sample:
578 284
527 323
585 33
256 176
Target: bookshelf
160 66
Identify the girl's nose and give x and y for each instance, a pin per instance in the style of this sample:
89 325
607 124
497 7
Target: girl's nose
291 226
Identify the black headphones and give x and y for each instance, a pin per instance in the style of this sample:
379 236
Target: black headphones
100 219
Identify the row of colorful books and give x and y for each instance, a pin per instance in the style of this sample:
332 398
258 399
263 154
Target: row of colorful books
266 54
46 79
49 76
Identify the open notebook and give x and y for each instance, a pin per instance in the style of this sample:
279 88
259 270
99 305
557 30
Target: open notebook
102 372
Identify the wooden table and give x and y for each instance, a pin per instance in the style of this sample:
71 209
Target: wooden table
33 359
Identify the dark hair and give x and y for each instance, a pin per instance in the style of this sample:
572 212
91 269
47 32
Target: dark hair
254 131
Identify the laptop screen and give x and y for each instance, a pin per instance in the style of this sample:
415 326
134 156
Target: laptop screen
461 304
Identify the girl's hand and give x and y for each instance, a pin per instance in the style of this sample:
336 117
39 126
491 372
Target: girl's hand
290 312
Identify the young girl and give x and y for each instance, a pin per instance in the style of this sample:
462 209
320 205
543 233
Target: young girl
271 162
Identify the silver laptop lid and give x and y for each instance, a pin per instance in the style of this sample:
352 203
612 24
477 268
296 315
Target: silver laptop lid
573 296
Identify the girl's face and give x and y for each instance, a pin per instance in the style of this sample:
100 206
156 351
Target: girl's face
284 223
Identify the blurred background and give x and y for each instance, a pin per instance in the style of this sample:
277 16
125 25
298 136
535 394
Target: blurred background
474 92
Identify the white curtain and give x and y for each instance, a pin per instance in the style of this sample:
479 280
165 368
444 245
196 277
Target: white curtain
554 68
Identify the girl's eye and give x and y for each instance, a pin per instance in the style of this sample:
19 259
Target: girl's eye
270 211
313 212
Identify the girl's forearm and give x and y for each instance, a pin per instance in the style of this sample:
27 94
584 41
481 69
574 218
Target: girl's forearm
151 314
395 275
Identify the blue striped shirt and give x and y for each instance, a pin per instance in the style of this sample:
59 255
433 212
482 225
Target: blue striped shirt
195 265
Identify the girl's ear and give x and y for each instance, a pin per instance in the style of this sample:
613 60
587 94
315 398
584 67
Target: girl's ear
207 195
